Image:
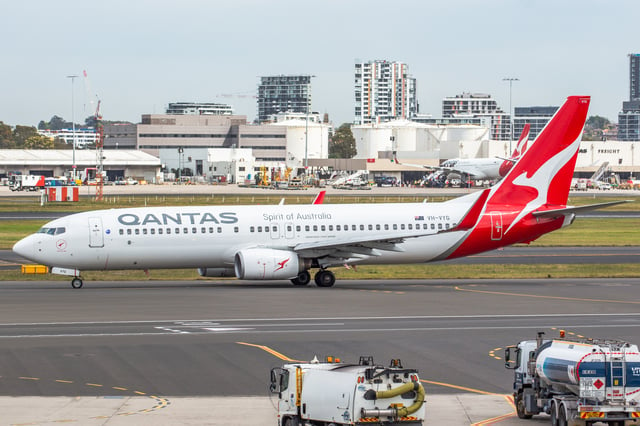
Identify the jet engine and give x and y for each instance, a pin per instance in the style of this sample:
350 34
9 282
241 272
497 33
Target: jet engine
216 272
267 264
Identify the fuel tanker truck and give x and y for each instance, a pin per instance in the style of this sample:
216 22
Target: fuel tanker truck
335 393
576 382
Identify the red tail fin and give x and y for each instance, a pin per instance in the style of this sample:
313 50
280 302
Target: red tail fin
521 147
543 174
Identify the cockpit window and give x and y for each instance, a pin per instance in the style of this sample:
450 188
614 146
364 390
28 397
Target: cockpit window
52 231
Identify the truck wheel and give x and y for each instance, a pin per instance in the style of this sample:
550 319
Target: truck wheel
562 416
76 283
554 414
522 414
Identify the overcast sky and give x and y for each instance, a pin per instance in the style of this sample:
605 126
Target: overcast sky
142 54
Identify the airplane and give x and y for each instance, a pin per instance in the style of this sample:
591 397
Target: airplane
284 242
483 168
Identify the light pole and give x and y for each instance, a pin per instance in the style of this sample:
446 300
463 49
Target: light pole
510 80
306 126
73 126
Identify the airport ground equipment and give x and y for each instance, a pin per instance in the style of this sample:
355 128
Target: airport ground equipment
576 381
336 393
26 182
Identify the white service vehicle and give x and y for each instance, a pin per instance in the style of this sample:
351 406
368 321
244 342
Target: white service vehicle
26 182
577 382
336 393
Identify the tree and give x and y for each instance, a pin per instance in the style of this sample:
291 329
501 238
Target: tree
342 144
38 142
22 133
6 136
597 122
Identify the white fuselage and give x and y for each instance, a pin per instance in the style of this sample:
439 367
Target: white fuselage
210 236
476 168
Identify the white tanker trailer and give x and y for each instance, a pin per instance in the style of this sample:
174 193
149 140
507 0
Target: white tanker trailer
576 382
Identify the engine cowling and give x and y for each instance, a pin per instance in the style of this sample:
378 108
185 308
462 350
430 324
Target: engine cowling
216 272
267 264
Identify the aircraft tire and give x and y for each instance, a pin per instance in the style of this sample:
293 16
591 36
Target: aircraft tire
303 278
325 278
76 283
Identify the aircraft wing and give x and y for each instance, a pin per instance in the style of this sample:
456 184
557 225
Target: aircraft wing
352 249
569 210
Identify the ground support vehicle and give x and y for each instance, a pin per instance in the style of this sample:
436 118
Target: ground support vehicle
336 393
26 182
576 381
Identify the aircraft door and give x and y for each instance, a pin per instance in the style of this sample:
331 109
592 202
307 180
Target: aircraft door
496 226
96 237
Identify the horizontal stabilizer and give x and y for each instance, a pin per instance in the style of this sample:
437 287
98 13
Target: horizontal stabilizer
569 210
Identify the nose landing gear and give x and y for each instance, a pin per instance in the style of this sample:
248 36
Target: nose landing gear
76 282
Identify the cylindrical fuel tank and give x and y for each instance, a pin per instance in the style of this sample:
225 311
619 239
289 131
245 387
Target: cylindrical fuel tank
563 364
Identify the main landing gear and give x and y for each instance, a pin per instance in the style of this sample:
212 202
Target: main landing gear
323 278
76 282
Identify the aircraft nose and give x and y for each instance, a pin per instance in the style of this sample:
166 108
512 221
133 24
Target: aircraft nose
24 248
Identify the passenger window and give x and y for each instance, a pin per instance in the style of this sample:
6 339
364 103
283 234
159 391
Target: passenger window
153 231
410 226
219 229
168 231
236 229
377 227
121 231
194 230
298 228
259 228
315 228
337 227
144 231
330 227
289 228
386 226
137 231
402 226
203 230
362 227
159 231
129 231
446 225
433 226
370 227
252 229
322 228
185 230
353 227
177 230
439 226
211 229
424 226
395 226
306 228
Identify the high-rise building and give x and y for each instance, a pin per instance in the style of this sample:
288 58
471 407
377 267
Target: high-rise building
478 105
629 118
384 91
283 94
536 116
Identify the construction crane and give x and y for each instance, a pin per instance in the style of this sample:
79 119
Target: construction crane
99 142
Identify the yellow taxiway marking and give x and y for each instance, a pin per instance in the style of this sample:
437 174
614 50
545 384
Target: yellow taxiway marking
492 353
538 296
269 350
64 381
448 385
498 419
93 384
28 378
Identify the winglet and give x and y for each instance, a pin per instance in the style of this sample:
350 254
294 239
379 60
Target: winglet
319 198
471 218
